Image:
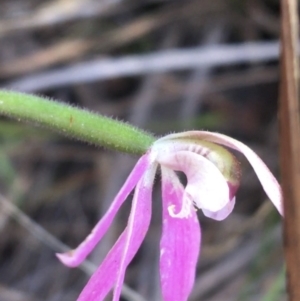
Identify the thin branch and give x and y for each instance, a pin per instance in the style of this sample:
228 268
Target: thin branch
74 48
199 78
161 61
56 12
52 242
229 268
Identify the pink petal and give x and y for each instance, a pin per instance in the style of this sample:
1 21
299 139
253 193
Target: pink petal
268 181
138 225
206 185
105 276
179 245
221 214
113 267
74 257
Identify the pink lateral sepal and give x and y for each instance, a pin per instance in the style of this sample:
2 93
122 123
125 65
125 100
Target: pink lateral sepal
111 271
75 257
179 245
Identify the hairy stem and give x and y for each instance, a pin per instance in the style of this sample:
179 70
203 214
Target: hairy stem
74 122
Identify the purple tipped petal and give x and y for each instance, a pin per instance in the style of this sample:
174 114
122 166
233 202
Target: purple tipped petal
206 185
113 267
179 245
221 214
268 181
75 257
266 178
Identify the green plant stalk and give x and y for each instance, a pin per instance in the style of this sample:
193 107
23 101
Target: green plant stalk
74 122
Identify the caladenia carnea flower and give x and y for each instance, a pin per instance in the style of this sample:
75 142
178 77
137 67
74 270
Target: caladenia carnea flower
213 175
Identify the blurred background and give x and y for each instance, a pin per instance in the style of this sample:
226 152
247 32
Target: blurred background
165 66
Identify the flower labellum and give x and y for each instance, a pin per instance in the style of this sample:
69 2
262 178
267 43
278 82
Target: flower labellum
213 176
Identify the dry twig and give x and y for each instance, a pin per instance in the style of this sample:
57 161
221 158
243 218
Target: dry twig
161 61
290 143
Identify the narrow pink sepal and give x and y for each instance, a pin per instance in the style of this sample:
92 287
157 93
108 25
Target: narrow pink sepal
138 224
221 214
268 181
75 257
180 243
105 276
114 265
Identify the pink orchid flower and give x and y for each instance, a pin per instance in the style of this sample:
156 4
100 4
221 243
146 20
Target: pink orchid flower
212 180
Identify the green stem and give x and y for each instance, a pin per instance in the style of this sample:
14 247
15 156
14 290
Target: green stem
75 122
